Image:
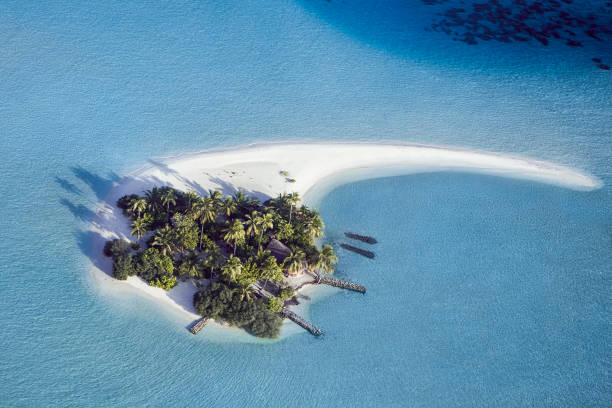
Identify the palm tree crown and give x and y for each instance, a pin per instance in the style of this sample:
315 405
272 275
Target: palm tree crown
252 223
327 259
295 262
138 206
140 226
153 198
228 206
234 233
165 240
232 268
293 199
266 222
169 197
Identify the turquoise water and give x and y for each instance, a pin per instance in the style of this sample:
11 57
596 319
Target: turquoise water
485 291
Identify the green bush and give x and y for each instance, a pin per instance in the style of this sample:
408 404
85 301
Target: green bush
265 323
154 264
165 282
125 201
107 248
286 293
123 267
220 301
116 248
274 304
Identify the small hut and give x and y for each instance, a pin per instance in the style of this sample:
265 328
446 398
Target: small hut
278 250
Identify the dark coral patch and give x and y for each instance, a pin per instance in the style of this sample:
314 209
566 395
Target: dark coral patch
521 21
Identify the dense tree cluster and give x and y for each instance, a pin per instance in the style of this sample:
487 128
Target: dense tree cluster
222 239
221 301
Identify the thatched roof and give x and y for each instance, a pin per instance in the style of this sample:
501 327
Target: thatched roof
279 250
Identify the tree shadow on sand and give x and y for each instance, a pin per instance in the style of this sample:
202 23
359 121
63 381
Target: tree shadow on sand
229 189
226 188
91 242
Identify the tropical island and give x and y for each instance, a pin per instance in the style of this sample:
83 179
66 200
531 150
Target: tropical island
180 236
241 253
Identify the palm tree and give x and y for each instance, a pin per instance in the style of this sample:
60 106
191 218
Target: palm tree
138 205
295 262
169 197
140 226
232 268
191 198
228 206
153 198
327 259
245 292
234 232
266 222
240 197
204 211
213 260
217 198
249 273
268 267
293 199
252 223
313 225
210 209
192 265
164 238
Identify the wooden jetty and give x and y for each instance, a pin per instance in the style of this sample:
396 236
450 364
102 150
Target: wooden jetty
362 252
326 280
301 322
199 325
362 238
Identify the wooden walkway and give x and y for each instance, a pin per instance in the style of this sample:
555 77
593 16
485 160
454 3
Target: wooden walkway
314 330
326 280
199 325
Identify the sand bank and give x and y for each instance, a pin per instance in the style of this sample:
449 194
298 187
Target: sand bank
312 170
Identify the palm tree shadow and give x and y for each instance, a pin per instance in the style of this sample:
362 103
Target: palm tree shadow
68 186
226 188
98 184
229 189
78 211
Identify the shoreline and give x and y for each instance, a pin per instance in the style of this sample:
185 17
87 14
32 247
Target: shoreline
316 168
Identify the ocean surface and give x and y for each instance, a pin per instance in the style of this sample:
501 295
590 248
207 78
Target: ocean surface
484 292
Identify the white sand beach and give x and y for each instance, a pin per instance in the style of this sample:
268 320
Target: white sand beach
315 168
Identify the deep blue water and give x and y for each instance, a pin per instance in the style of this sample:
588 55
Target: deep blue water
485 291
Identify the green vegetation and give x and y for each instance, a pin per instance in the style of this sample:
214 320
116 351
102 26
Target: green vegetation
286 293
223 240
